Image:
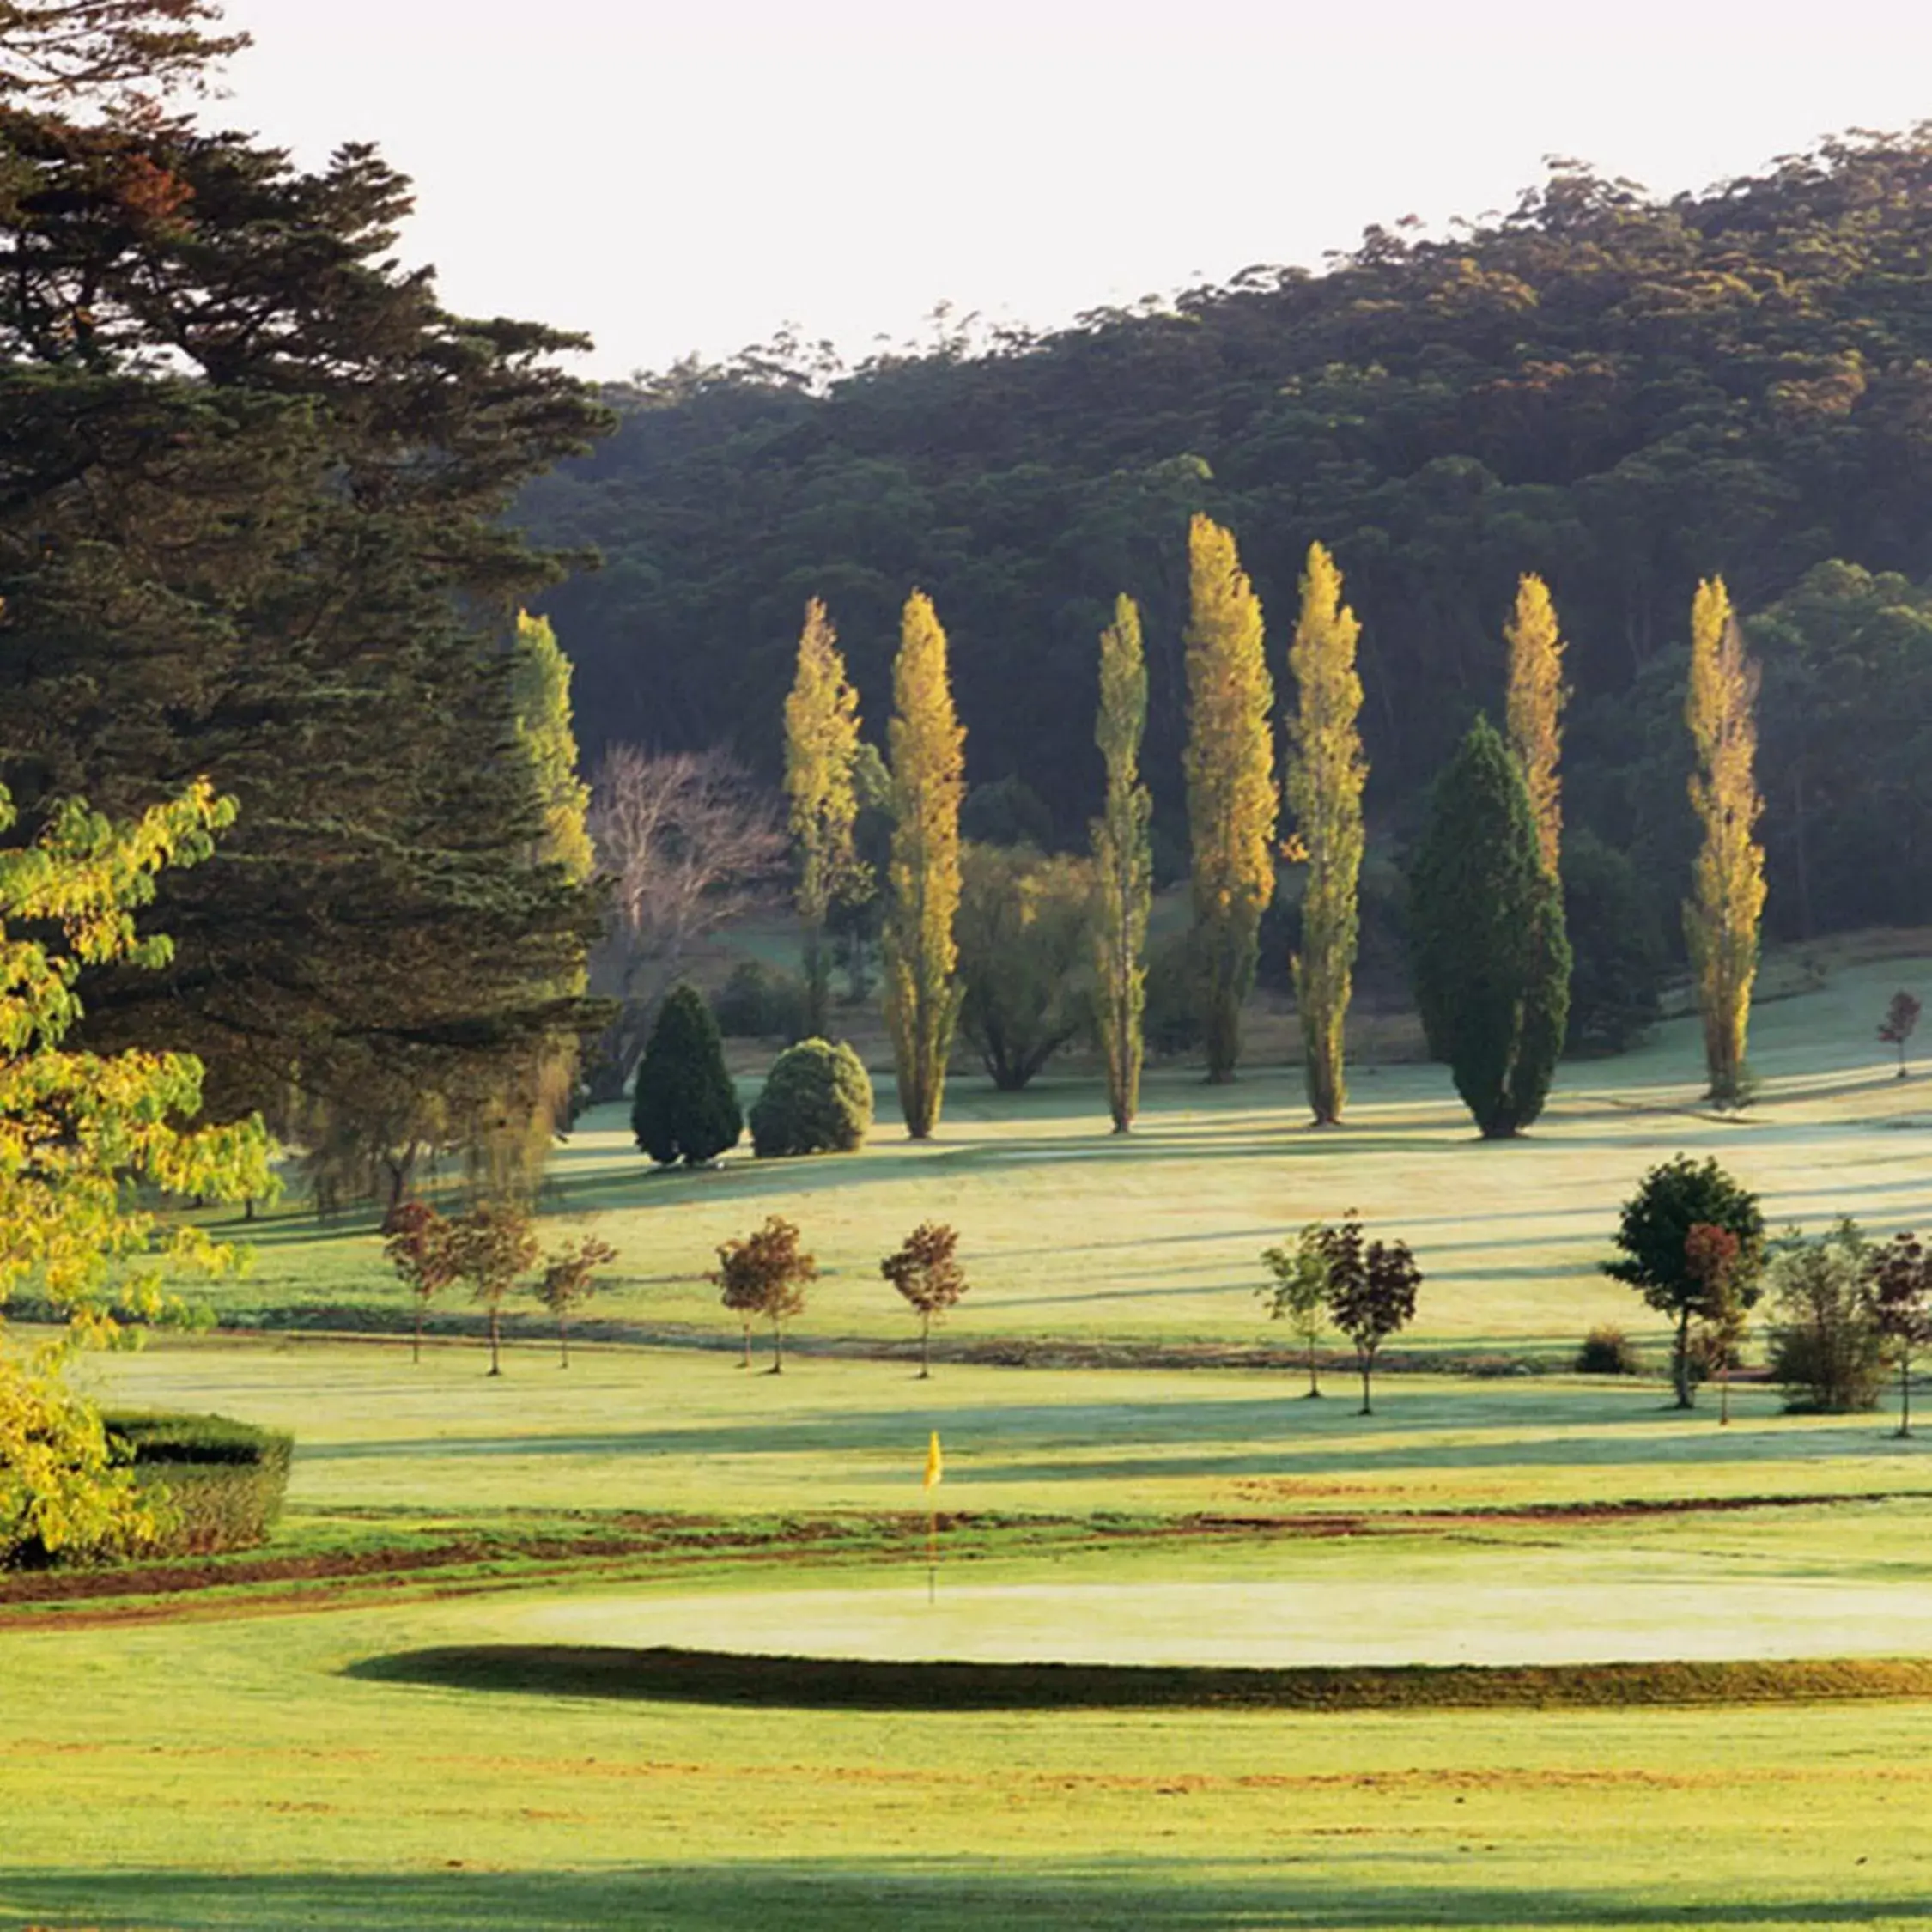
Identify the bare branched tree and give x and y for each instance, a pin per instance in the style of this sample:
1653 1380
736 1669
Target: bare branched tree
690 843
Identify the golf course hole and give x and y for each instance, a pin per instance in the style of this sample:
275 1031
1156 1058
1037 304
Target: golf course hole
716 1677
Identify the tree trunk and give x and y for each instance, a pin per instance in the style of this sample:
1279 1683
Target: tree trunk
564 1341
1905 1395
495 1356
1724 1391
1314 1385
925 1345
817 977
1681 1363
416 1341
777 1351
746 1363
1367 1365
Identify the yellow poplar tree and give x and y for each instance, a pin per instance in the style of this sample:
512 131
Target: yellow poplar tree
925 746
821 748
1229 765
1727 898
512 1129
1326 774
1123 860
1536 698
540 681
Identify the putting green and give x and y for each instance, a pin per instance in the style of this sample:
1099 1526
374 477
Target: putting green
1255 1622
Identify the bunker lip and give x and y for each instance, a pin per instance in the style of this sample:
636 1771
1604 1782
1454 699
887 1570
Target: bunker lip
670 1675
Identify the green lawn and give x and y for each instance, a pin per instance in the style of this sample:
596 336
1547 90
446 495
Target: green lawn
1069 1233
256 1761
187 1774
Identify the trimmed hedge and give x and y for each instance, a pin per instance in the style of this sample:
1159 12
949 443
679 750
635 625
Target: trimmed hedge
225 1479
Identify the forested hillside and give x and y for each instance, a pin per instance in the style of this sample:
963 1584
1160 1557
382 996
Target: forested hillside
1621 393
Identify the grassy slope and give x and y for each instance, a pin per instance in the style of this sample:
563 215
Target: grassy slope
1070 1234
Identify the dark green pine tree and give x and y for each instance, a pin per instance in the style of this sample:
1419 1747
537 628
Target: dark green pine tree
685 1107
254 527
1491 956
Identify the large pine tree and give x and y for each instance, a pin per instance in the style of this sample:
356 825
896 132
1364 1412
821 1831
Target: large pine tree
1230 764
254 528
1491 960
1325 774
1727 898
1123 861
927 744
821 749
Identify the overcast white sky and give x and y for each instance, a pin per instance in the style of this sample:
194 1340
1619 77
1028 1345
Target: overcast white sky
679 178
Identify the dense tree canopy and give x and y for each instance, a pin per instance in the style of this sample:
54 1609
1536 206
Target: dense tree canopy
249 527
1619 393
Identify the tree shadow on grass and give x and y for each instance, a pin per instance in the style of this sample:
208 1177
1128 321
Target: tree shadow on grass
889 1895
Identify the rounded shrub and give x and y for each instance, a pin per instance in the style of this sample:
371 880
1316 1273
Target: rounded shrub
1607 1351
817 1099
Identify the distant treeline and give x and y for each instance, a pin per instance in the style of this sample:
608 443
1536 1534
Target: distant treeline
1621 393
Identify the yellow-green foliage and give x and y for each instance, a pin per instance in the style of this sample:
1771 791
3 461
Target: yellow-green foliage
821 748
927 749
1326 774
514 1127
1536 698
541 686
1123 860
1229 764
1727 885
80 1136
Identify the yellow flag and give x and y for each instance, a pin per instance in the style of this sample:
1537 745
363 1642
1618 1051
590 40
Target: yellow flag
935 1463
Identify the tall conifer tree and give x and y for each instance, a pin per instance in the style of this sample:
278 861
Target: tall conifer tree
1491 956
1123 860
1537 696
1229 764
926 746
1326 774
821 747
1727 898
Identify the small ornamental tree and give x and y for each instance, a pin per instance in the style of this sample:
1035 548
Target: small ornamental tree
764 1276
1713 1255
817 1099
1654 1232
926 1270
1899 1288
569 1280
1371 1292
1901 1019
685 1107
490 1246
417 1244
1827 1350
1298 1294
